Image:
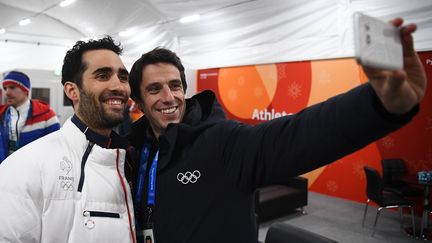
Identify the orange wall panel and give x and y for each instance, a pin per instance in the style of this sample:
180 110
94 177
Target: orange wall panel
256 93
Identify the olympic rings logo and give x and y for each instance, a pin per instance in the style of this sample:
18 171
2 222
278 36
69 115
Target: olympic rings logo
188 176
67 186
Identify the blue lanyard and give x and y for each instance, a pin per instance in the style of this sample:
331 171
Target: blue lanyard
145 153
152 182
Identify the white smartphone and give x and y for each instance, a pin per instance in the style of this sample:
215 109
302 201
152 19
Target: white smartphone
377 43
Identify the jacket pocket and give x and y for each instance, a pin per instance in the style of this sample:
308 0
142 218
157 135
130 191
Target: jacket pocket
88 213
90 217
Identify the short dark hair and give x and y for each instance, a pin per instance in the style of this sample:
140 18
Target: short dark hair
73 66
157 55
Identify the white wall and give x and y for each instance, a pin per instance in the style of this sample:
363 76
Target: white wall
191 82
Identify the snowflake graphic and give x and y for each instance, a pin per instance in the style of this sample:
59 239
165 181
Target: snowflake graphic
232 94
294 90
358 170
388 142
282 72
332 186
324 77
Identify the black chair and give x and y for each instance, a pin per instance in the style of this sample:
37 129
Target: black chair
274 201
425 219
285 233
392 170
385 199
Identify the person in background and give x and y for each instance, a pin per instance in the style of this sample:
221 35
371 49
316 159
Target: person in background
198 171
23 120
69 186
123 128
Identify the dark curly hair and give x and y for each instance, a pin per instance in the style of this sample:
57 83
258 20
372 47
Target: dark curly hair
157 55
74 67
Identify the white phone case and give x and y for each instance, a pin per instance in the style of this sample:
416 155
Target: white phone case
377 43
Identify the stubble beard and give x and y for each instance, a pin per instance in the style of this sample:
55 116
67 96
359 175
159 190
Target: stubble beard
157 125
93 113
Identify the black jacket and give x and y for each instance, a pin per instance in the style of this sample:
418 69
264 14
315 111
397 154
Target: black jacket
234 158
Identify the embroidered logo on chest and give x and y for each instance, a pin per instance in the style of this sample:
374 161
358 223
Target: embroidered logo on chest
188 177
66 181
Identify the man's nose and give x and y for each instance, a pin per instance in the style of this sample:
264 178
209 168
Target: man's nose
167 95
117 84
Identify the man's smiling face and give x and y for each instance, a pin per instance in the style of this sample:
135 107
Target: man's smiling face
162 95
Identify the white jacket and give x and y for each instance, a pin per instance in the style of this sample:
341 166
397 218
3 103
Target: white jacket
39 198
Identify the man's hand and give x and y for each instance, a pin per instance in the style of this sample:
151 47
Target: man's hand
400 90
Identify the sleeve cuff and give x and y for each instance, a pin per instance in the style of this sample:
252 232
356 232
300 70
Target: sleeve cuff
391 117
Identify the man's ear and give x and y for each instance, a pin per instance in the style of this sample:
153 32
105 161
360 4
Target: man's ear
71 91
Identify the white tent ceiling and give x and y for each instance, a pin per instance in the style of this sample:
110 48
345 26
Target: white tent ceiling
230 32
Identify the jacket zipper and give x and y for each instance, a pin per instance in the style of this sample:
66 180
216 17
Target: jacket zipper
83 162
88 213
16 129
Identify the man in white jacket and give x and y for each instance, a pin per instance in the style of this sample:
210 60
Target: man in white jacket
70 186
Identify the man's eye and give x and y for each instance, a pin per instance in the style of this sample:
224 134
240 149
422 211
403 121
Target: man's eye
176 86
124 77
153 90
102 77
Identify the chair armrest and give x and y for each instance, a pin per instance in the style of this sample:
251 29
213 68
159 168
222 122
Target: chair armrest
297 182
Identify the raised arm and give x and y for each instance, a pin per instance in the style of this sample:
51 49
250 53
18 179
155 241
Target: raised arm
400 90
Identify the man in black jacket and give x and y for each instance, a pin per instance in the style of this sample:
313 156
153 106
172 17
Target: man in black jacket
197 171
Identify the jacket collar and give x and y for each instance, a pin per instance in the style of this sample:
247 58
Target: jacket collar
113 141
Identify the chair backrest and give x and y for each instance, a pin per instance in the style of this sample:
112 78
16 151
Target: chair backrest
285 233
374 185
393 168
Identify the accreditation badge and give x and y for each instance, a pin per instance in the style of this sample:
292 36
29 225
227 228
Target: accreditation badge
146 236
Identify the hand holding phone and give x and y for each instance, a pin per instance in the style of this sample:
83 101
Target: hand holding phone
377 43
